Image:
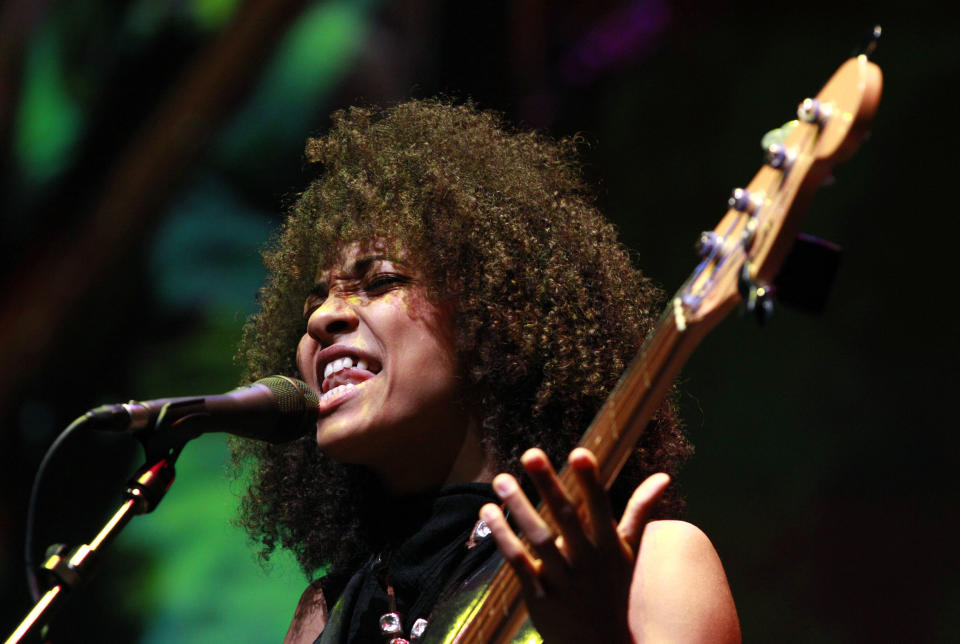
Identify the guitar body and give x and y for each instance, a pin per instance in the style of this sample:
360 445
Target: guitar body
456 612
740 258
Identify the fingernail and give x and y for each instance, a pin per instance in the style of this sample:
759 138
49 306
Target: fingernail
533 457
502 485
487 512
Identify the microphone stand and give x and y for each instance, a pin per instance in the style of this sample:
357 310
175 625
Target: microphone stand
69 569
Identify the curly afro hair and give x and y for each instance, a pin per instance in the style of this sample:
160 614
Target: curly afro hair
549 309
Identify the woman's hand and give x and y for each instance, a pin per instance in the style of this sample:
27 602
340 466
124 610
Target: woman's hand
576 584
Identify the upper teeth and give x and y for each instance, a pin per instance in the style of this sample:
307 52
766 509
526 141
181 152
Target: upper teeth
342 363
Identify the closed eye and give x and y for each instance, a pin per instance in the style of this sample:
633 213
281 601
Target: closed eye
315 299
377 284
382 282
311 305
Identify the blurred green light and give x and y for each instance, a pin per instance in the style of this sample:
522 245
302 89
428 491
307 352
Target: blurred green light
205 585
212 14
314 56
47 119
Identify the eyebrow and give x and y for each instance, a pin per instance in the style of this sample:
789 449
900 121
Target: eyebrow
359 267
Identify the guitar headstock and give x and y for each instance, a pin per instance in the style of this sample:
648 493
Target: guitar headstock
742 255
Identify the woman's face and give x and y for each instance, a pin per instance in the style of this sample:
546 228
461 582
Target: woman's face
381 357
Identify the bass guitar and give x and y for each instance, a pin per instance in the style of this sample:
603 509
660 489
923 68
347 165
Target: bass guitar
739 261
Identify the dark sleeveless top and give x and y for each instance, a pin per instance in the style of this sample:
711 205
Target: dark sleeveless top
425 558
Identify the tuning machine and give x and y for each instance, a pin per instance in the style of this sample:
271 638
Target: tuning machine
757 298
813 110
776 153
744 201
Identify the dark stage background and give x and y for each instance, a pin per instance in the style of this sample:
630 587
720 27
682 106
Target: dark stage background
147 149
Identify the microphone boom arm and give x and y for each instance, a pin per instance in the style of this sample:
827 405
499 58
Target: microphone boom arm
70 569
275 409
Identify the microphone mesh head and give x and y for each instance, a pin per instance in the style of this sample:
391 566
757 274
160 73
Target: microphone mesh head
293 396
297 404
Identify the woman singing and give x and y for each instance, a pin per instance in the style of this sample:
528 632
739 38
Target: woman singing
448 288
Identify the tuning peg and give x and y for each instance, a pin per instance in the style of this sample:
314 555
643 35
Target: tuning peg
744 201
812 110
779 157
760 304
709 243
757 298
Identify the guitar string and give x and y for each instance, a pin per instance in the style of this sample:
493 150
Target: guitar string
804 148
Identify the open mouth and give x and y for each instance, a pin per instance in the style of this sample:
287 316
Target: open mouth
344 373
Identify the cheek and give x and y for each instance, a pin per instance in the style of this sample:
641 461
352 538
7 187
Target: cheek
435 363
433 334
304 359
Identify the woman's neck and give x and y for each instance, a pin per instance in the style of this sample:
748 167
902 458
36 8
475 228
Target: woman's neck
436 464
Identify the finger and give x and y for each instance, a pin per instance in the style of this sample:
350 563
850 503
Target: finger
533 527
638 508
584 466
513 550
555 497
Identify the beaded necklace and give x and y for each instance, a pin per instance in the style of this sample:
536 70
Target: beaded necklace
391 622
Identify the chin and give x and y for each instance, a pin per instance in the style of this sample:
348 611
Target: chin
346 441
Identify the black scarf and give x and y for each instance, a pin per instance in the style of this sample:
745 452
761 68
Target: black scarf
424 558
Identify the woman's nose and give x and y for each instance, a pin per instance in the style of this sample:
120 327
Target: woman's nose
335 317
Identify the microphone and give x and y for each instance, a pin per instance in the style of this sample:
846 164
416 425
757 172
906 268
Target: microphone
276 409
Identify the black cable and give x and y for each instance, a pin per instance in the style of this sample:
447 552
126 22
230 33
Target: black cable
32 582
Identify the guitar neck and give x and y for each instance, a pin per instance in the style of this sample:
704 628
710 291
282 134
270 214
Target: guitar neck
617 427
